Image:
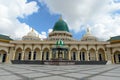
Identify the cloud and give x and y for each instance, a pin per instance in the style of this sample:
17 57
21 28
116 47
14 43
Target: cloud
101 15
10 11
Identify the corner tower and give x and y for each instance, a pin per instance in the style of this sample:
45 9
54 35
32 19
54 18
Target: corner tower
60 31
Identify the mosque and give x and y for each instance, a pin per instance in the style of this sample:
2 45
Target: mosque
59 45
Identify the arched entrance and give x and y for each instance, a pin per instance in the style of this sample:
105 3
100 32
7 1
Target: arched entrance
73 54
82 54
28 54
3 56
101 55
45 55
18 54
36 55
92 56
117 57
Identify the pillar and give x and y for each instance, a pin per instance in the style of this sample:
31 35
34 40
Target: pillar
87 56
113 58
7 57
40 55
106 56
23 55
78 55
50 55
32 52
69 55
97 59
13 58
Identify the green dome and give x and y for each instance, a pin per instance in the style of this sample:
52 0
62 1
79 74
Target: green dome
60 25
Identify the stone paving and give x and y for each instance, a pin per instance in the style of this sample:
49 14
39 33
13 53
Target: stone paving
62 72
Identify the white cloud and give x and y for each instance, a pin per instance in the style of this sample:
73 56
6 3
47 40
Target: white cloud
10 11
50 30
99 14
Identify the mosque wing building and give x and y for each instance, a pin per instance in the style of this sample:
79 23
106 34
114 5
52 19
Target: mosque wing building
59 46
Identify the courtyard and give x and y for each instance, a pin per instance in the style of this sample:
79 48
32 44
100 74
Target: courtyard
62 72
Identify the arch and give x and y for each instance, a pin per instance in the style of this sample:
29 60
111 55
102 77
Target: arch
91 47
3 56
28 46
73 54
27 54
117 56
83 55
3 49
92 55
115 50
45 47
18 54
45 55
100 47
101 54
37 46
18 46
36 54
83 47
73 47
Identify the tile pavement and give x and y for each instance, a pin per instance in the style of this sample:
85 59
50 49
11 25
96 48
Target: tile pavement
62 72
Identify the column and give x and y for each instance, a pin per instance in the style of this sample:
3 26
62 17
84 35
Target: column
50 56
105 55
69 55
7 57
32 52
40 55
113 58
87 56
23 55
97 59
13 58
78 55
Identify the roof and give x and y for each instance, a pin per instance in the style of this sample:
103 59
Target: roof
60 25
114 38
4 37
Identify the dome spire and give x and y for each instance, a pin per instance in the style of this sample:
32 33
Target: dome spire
88 30
60 17
32 30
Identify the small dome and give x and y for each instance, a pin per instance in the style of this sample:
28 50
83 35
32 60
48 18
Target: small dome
31 36
32 33
88 36
60 25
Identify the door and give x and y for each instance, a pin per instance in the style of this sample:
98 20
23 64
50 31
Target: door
4 58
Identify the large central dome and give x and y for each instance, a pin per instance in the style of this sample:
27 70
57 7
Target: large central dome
60 25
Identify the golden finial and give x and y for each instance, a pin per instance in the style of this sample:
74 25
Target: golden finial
60 17
88 30
32 30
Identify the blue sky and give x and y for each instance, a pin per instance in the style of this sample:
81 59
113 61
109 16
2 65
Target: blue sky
102 17
44 20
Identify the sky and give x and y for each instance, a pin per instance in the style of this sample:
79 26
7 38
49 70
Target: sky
18 17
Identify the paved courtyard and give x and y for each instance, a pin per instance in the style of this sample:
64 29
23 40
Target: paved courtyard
64 72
